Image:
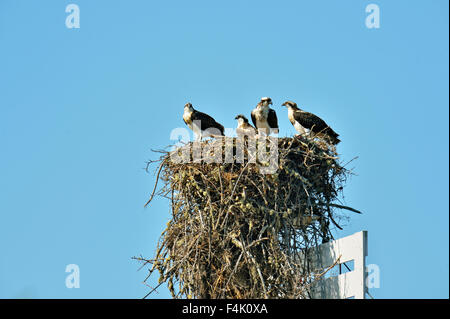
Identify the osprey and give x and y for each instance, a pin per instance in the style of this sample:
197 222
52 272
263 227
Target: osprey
265 118
201 123
308 123
244 127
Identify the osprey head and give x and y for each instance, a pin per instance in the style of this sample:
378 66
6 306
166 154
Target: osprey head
241 117
188 106
290 104
265 101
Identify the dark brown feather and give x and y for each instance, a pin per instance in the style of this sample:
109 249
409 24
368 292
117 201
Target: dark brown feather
316 125
207 122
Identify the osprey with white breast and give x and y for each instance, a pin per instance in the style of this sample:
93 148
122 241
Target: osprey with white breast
307 123
244 128
201 123
265 118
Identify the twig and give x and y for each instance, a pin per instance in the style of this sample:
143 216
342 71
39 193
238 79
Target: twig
156 183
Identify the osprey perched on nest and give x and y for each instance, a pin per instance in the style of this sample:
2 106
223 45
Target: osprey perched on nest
308 123
265 118
244 127
201 123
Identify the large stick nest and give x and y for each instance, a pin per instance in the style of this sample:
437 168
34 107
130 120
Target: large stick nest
238 233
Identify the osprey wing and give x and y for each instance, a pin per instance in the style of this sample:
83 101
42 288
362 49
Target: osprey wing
207 121
316 125
253 118
310 121
272 119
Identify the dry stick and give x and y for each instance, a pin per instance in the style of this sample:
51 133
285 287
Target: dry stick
154 161
340 206
354 158
156 183
260 192
257 267
317 277
336 224
234 189
210 228
234 270
153 289
328 268
201 219
346 207
221 186
257 241
144 261
237 181
185 256
205 178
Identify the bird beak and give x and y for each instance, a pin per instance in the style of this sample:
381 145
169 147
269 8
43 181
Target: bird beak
236 118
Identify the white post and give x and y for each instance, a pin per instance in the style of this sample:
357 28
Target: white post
347 285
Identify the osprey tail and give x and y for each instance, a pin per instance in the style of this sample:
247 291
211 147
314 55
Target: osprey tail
333 136
335 140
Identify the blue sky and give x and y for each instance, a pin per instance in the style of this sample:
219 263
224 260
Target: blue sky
81 109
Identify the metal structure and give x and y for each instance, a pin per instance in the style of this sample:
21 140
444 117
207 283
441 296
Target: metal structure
351 284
